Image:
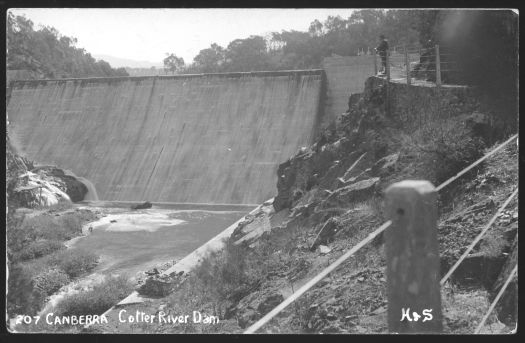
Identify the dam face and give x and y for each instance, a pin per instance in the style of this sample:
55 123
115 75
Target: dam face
215 138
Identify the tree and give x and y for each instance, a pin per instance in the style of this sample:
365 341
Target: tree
47 53
247 54
173 63
210 60
316 28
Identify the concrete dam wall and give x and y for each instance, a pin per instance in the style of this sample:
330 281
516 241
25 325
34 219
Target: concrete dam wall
345 75
215 138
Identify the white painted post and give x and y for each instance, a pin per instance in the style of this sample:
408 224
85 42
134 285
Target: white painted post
414 299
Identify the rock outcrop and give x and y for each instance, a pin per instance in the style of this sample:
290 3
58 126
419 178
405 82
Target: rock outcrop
30 186
355 192
32 191
75 189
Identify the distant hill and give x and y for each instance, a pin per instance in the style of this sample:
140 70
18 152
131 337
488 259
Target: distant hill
125 62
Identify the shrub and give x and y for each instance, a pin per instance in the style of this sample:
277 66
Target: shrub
441 148
224 270
49 227
73 262
30 282
38 249
456 154
50 281
72 225
16 237
21 298
97 300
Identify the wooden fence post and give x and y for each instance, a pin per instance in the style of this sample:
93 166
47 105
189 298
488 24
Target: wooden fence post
414 300
407 66
438 67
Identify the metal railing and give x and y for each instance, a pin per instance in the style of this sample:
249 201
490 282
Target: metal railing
410 63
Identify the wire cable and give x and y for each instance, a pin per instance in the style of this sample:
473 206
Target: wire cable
315 280
476 163
478 237
480 326
265 319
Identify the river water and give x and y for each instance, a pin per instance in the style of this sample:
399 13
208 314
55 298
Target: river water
131 241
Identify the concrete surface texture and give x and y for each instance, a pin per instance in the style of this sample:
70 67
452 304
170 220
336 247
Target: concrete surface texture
345 75
214 138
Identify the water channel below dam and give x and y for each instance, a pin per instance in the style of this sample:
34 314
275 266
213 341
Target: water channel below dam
131 241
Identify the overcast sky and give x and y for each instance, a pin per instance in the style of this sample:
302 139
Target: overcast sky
148 34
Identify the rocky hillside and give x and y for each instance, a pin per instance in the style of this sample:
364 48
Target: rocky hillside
333 193
330 198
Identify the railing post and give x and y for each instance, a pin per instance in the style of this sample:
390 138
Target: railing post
375 62
407 66
387 67
414 300
438 67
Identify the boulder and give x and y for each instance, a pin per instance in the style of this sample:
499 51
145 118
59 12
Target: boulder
305 170
354 192
31 190
240 231
144 205
153 271
323 249
75 189
268 202
327 232
159 285
269 303
385 165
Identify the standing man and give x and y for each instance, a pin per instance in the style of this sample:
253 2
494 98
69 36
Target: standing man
382 49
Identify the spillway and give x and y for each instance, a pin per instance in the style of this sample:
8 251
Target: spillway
207 138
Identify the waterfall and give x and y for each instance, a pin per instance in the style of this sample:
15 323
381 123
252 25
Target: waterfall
92 192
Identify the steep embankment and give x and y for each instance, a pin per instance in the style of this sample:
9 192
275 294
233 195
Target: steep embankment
191 138
330 198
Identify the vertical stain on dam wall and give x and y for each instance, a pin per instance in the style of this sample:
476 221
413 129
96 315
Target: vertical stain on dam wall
215 138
